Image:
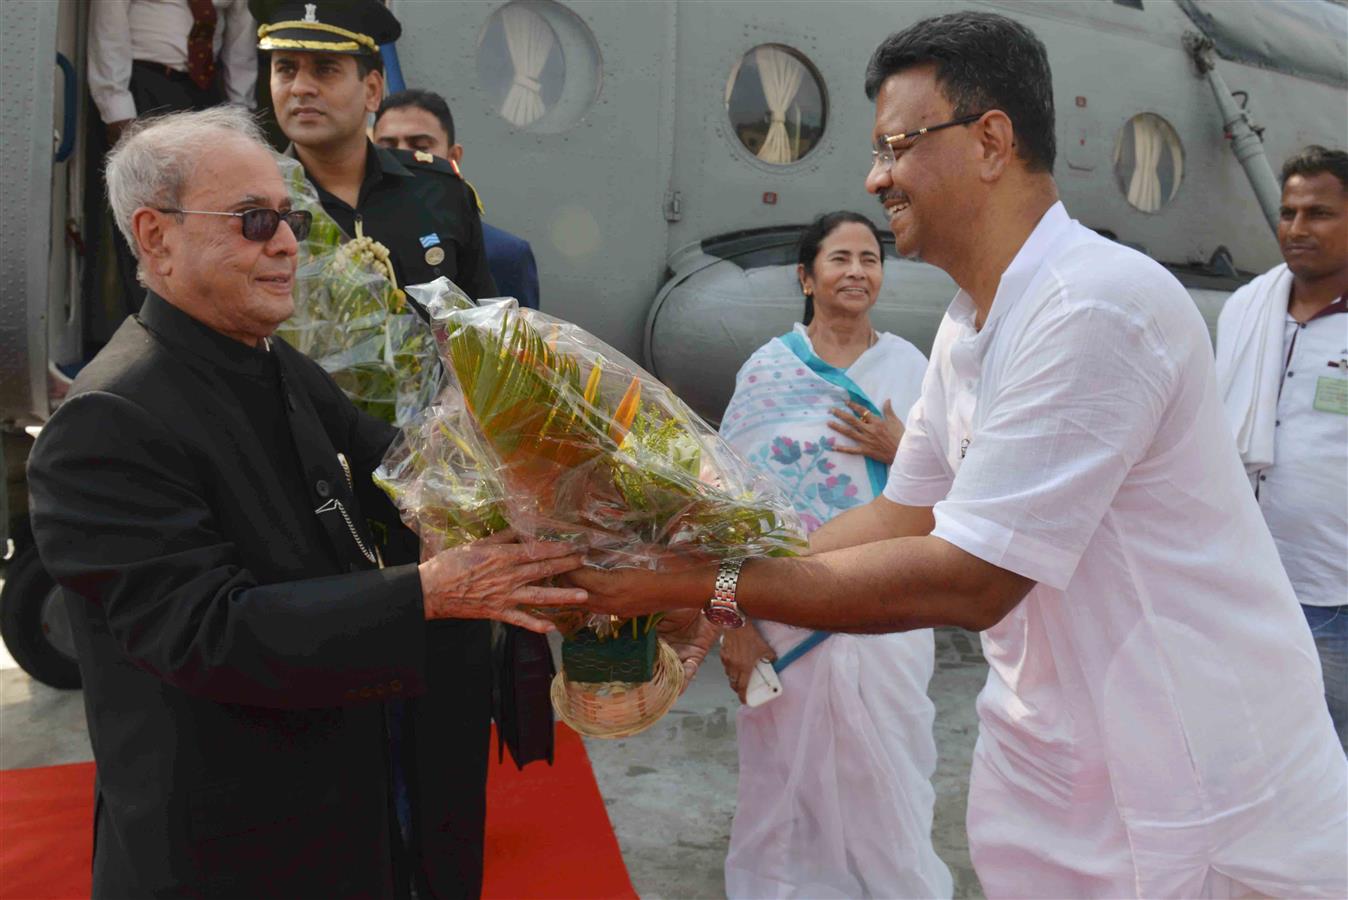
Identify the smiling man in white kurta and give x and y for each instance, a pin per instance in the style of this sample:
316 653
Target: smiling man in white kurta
1152 724
1144 709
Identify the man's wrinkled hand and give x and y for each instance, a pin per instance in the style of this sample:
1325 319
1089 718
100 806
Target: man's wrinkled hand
493 577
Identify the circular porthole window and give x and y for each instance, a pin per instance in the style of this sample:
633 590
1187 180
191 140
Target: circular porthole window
776 104
538 64
1148 162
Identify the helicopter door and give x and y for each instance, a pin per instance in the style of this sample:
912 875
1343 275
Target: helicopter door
65 332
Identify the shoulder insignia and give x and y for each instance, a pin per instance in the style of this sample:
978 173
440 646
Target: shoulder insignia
477 198
422 161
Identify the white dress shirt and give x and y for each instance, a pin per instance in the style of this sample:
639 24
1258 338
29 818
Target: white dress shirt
121 31
1304 494
1153 718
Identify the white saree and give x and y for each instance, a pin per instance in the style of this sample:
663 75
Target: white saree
835 794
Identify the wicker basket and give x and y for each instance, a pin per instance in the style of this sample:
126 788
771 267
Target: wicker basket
616 709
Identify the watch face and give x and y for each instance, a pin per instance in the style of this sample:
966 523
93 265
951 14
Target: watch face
723 617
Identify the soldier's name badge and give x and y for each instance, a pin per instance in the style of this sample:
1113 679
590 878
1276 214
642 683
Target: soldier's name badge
435 256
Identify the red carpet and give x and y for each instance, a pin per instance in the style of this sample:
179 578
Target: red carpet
548 834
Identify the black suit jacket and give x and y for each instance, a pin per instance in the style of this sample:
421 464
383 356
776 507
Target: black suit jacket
234 643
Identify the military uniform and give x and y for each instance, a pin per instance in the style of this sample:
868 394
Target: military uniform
427 217
418 207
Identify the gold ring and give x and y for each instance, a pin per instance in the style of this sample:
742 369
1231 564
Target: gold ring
866 417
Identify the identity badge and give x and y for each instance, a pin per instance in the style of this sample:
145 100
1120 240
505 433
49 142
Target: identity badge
1331 394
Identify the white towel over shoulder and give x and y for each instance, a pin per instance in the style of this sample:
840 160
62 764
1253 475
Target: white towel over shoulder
1249 362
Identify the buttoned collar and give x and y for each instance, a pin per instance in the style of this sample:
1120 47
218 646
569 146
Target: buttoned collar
379 164
1018 275
201 343
1338 306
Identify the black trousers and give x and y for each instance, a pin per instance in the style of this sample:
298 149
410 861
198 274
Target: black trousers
445 743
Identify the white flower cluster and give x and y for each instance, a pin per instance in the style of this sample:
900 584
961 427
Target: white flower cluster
368 253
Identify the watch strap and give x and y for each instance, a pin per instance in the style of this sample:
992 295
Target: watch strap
722 608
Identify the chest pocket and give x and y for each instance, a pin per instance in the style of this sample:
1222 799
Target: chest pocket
1331 389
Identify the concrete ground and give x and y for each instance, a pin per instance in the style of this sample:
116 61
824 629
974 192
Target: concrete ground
670 792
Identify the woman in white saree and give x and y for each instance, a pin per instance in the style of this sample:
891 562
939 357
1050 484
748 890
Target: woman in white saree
835 795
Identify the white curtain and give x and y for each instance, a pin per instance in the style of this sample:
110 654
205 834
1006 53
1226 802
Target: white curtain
1177 161
781 75
1144 191
1152 136
529 39
730 82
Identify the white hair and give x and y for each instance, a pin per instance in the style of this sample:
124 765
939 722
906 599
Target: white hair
155 159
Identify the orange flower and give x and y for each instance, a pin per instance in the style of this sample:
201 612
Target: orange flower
626 412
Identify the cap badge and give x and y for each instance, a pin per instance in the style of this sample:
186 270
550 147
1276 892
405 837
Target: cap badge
311 13
435 256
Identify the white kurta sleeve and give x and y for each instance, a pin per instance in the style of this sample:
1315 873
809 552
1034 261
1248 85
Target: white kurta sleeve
1077 407
109 67
919 475
238 55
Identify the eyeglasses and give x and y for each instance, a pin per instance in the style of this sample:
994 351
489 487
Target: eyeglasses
260 224
884 157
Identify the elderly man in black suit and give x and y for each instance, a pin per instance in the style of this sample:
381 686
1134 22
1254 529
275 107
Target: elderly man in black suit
204 498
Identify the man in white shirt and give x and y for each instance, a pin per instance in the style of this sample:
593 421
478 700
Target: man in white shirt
1282 368
161 56
1152 723
169 56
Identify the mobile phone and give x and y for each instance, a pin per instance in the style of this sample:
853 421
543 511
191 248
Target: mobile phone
764 685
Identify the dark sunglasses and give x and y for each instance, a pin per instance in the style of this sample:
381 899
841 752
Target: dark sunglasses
260 224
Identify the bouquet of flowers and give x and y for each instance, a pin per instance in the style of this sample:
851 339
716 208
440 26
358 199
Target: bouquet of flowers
351 318
546 429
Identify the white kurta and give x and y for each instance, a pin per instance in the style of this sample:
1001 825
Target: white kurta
1301 370
1153 722
835 796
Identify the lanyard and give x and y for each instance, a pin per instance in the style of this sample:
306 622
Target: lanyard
799 650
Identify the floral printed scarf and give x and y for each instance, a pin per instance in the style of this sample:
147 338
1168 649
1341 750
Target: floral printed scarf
778 420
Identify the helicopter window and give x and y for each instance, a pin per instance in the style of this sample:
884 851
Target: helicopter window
1148 162
538 64
775 101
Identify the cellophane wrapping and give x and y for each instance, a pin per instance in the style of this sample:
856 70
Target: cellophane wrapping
351 318
545 428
